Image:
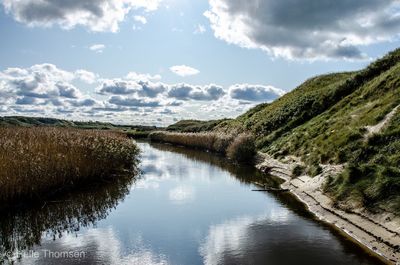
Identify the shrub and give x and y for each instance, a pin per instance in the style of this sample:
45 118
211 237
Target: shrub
297 170
242 149
314 170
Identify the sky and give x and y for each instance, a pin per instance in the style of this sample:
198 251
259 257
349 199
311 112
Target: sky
154 62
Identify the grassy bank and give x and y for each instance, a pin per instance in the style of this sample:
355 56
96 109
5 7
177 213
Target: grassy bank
38 161
239 148
327 120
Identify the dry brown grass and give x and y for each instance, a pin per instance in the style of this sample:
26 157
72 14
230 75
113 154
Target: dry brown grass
242 149
37 161
239 148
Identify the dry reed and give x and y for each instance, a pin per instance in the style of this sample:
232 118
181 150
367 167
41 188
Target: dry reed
38 161
239 148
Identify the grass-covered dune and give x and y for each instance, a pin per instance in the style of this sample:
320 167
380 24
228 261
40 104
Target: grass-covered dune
335 119
38 161
194 125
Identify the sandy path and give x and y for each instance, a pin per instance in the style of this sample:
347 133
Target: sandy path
378 127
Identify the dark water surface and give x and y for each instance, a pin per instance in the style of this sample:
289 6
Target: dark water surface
188 207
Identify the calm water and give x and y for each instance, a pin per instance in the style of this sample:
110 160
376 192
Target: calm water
188 207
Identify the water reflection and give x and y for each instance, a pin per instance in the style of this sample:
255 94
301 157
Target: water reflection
21 229
188 207
244 173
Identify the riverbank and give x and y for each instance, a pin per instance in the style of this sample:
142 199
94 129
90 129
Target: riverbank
378 232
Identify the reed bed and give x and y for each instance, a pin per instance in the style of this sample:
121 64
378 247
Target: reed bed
38 161
239 148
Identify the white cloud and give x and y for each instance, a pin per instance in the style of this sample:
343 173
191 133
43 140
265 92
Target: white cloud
305 29
46 90
96 15
42 87
99 48
184 70
258 93
200 29
142 77
140 19
86 76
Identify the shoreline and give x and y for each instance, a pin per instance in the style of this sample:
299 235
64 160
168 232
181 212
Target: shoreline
380 234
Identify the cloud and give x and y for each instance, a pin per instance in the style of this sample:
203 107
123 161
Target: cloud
46 90
117 87
184 70
305 29
96 15
99 48
258 93
129 87
41 85
85 76
142 77
140 19
200 29
133 102
190 92
86 102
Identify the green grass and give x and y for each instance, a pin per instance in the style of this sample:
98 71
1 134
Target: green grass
194 125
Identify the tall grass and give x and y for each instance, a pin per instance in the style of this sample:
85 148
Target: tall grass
38 161
239 148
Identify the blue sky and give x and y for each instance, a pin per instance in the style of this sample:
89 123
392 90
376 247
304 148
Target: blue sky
187 59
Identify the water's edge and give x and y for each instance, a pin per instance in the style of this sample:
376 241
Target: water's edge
375 236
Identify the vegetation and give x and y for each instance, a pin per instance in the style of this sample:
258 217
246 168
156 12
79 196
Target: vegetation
239 148
326 120
137 134
298 170
22 228
372 177
194 125
242 149
40 161
21 121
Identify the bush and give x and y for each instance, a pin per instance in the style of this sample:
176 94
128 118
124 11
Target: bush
297 171
242 149
314 170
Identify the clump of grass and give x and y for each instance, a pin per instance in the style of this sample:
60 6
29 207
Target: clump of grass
240 148
298 170
38 161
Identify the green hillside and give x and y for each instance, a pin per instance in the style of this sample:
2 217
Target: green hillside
325 121
194 125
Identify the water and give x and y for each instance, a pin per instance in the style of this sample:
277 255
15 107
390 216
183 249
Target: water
188 207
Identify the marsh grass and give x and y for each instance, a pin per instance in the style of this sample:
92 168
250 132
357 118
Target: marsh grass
38 161
238 148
